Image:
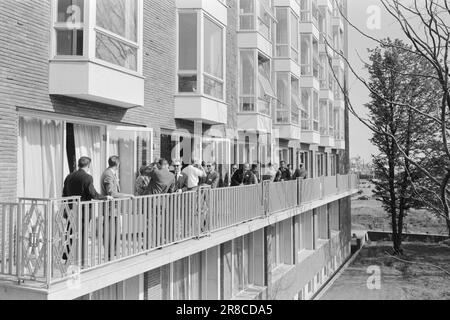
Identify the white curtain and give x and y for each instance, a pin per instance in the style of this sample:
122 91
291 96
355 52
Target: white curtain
88 143
41 162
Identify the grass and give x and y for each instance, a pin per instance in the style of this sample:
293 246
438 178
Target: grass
369 215
399 280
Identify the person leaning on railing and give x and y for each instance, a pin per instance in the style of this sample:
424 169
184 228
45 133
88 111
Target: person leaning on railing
181 178
110 184
194 173
283 173
81 184
300 173
161 179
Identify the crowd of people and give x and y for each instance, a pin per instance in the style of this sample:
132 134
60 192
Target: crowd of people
162 178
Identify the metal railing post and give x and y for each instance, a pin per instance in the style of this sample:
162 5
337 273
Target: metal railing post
19 243
48 242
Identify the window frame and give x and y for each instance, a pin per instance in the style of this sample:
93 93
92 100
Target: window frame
200 72
90 30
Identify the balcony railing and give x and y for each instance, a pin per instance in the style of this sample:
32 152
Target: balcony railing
48 240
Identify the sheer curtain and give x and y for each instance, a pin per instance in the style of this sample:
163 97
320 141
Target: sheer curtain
40 160
88 143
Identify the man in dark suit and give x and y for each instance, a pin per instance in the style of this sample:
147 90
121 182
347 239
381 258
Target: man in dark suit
238 177
249 175
81 184
283 173
300 173
161 180
212 176
181 178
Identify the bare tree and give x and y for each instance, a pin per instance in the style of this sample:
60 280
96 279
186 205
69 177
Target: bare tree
424 24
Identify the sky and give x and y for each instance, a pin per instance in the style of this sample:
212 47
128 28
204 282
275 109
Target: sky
365 14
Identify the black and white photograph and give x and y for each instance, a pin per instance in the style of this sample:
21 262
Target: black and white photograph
225 156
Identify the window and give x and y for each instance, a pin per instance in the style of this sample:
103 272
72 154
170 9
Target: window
306 51
283 103
309 60
330 118
211 69
213 59
237 266
265 18
117 32
315 102
323 117
306 109
309 11
247 81
251 100
337 125
288 103
69 28
187 52
266 92
323 71
287 34
294 37
295 100
56 145
306 235
247 15
282 39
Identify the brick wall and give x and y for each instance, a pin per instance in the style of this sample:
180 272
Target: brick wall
24 53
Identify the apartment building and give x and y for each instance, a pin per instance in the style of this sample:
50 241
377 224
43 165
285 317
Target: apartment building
229 82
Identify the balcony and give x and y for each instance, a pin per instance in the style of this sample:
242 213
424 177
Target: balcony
287 131
122 237
255 27
254 122
215 8
93 57
311 137
201 108
327 141
293 4
96 82
255 40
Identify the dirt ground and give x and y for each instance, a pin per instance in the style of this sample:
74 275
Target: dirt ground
398 280
369 215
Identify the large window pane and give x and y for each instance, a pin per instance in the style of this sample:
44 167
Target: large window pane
71 11
213 59
114 51
282 114
294 37
187 52
247 83
119 17
282 42
247 14
213 49
306 107
305 59
295 101
69 42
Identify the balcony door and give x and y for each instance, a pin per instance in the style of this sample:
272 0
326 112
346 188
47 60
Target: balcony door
134 147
